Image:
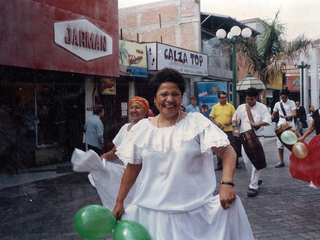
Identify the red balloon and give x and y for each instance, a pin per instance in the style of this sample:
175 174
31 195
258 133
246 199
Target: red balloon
300 150
150 113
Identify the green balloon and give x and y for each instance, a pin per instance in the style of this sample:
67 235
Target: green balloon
94 222
130 230
289 137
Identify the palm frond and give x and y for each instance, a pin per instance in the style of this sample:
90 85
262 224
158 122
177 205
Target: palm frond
268 54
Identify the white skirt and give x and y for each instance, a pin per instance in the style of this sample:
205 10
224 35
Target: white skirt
208 222
104 176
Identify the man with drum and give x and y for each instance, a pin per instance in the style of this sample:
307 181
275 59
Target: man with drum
221 115
260 117
286 109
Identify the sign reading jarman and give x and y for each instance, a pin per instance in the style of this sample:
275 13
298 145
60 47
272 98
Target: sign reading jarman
83 39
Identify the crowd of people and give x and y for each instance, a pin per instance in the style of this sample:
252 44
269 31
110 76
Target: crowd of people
167 177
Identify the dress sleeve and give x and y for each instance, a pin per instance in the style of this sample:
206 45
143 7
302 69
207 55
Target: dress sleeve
128 152
121 135
209 135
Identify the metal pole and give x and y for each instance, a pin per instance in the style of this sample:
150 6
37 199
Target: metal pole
302 81
314 79
234 71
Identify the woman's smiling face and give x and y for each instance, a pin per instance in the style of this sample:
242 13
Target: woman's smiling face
136 112
168 99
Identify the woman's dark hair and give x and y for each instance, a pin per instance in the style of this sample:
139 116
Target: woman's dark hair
252 92
167 75
97 109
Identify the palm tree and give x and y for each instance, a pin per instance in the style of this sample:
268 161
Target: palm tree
123 52
268 53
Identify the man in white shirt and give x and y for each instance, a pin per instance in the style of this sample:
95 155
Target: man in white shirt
261 117
286 114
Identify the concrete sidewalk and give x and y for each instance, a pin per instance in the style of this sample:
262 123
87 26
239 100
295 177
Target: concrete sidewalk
41 203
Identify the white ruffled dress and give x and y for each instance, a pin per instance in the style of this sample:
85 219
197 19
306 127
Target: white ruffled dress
173 197
105 176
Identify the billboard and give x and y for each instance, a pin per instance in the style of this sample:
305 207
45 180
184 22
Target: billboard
186 62
208 95
132 59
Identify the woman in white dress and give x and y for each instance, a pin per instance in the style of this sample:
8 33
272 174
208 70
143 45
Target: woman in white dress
169 159
138 109
106 175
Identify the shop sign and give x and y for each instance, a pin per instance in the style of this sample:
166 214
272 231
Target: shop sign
83 39
186 62
276 82
108 86
132 59
208 95
269 94
293 82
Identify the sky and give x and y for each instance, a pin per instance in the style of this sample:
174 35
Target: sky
298 16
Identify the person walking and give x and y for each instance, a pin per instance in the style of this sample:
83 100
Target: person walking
192 107
221 115
261 118
286 109
94 130
300 119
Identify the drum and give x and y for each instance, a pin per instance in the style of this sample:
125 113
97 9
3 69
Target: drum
284 127
253 149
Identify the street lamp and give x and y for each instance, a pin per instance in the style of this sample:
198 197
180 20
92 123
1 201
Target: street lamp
302 67
233 37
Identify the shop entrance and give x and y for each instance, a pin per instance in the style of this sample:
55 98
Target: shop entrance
42 116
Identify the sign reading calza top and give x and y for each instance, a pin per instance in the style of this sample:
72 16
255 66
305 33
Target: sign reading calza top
186 62
83 39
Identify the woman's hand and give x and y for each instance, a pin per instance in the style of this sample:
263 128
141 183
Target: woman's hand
229 159
129 177
227 196
118 211
103 156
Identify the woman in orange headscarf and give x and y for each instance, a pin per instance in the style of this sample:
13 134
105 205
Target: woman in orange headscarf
138 109
106 175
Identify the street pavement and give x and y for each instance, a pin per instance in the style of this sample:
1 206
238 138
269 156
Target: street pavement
42 202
